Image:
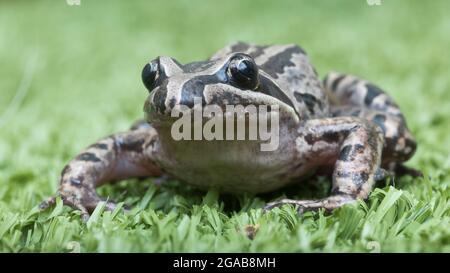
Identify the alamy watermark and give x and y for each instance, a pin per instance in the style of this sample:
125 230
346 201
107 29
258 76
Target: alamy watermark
73 2
235 122
374 2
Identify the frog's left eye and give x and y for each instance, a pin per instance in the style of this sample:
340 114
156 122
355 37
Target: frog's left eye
243 71
150 74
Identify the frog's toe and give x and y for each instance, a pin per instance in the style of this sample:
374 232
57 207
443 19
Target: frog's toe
86 211
283 202
44 205
68 201
111 205
85 205
272 205
328 204
381 174
77 205
49 202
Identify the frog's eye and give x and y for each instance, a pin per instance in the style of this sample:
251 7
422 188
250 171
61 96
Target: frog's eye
150 74
243 71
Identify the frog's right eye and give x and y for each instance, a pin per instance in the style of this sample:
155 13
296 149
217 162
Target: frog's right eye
243 71
150 74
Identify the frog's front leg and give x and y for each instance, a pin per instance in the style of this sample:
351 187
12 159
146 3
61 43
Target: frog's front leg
354 145
120 156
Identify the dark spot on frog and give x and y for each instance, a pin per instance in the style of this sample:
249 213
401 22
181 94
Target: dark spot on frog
372 92
330 137
88 157
172 103
116 143
159 99
379 119
411 144
239 47
308 99
194 88
191 90
355 128
359 148
310 139
100 146
345 153
401 130
151 143
315 72
356 113
197 66
295 78
352 84
336 112
275 65
76 181
336 191
349 152
380 174
225 98
135 145
259 50
359 179
336 82
390 144
389 102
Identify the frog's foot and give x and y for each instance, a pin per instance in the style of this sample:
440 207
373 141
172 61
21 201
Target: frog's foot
328 204
356 145
86 204
360 98
46 204
118 157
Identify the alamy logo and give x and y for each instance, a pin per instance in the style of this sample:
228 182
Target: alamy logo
235 122
73 2
374 2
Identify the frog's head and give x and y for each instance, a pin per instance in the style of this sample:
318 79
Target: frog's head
231 80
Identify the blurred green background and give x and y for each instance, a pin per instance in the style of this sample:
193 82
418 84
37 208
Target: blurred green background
71 74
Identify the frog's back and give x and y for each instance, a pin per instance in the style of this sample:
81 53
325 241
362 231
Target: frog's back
290 68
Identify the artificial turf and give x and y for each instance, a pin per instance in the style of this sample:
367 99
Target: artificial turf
71 74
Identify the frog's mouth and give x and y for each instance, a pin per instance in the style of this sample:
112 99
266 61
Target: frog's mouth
214 98
257 118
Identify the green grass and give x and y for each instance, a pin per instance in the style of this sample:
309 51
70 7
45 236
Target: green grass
84 65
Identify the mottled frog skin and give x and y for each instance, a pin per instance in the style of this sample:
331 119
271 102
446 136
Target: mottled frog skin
343 124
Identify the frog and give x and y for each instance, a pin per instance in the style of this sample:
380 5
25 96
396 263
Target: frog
343 124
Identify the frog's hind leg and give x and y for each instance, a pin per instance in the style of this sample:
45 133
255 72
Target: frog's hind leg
118 157
360 98
350 90
353 145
